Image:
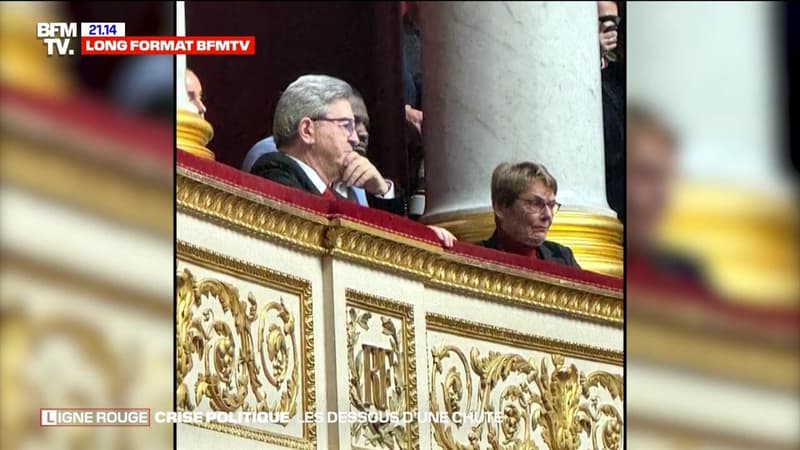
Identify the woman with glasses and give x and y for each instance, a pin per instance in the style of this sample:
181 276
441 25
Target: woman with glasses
524 203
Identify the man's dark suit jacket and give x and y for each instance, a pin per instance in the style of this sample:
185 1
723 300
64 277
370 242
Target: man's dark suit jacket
282 169
548 251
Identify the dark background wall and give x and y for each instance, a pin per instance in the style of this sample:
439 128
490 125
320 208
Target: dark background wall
358 42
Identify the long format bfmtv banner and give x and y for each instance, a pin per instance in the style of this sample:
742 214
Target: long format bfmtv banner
187 45
108 38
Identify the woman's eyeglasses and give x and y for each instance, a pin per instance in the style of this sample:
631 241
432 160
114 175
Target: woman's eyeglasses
537 204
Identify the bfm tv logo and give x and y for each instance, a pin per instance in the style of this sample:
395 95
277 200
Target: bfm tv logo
56 35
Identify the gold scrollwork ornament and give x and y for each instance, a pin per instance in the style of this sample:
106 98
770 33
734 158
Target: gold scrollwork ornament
560 404
230 367
378 434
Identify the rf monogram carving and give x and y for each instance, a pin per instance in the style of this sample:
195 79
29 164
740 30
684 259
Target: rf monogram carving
382 367
376 376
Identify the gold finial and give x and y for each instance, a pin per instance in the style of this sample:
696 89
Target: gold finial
193 134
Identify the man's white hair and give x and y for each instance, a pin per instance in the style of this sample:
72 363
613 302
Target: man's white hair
308 96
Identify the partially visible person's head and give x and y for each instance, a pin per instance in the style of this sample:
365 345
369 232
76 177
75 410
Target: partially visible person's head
195 91
608 16
362 122
314 121
524 201
651 165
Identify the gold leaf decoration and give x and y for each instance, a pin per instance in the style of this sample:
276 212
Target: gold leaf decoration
253 357
400 353
231 370
553 402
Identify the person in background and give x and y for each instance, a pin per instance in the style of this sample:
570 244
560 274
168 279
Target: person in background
142 85
259 149
613 91
608 16
362 122
524 204
195 92
146 85
411 64
411 55
651 165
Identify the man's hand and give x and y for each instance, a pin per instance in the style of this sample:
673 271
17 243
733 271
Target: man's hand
608 41
358 171
415 117
445 236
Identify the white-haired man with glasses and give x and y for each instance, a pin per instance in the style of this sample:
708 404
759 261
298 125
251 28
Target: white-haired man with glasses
524 203
315 132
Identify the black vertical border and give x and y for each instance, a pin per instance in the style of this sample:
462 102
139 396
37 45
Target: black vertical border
790 41
623 37
174 227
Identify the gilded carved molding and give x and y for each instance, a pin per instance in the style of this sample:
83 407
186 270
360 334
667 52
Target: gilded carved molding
746 359
552 404
242 210
124 296
380 252
253 350
134 196
516 288
545 403
263 219
699 338
505 336
382 378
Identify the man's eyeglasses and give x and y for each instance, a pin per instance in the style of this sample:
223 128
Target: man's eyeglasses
537 204
345 123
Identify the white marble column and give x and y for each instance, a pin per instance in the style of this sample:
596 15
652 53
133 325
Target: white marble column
511 82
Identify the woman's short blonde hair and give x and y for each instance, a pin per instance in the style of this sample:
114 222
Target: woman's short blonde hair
511 180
